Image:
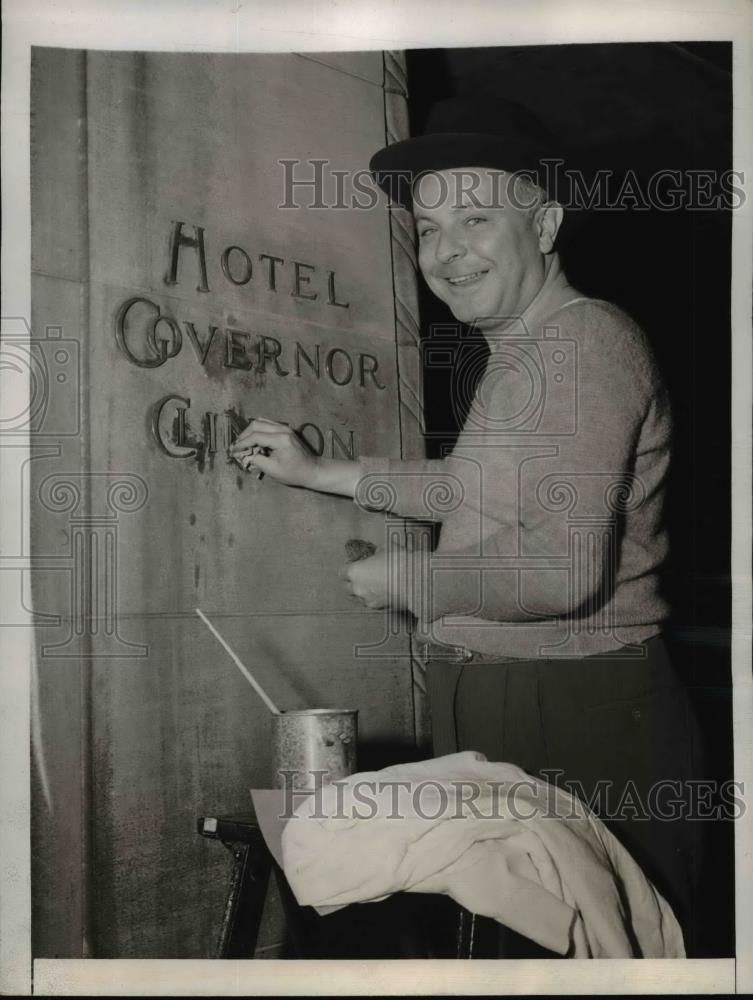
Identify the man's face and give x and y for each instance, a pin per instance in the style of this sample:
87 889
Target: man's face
478 249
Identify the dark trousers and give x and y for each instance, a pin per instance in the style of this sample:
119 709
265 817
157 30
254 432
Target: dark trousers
615 730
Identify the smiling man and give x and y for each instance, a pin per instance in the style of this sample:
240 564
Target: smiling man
485 242
540 608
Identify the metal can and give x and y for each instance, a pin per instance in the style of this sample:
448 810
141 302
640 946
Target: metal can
314 747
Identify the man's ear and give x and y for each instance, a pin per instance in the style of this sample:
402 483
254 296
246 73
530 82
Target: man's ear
548 221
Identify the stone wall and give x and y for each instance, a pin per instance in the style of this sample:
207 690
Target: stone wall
175 301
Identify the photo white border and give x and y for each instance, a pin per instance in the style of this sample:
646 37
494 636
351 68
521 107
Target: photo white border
329 25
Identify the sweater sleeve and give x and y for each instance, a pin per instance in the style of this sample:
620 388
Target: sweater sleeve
422 489
570 503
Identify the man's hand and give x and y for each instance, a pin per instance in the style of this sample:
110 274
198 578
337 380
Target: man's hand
376 580
276 450
266 446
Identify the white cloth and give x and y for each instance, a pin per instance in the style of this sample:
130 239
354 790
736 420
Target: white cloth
500 842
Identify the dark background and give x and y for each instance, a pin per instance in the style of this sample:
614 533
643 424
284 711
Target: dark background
644 107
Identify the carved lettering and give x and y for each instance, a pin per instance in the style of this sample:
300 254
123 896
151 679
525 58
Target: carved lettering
159 348
237 266
318 447
338 445
202 349
246 266
219 431
175 338
232 427
235 349
313 365
271 269
329 366
270 350
210 432
302 279
332 294
367 365
148 338
196 242
175 446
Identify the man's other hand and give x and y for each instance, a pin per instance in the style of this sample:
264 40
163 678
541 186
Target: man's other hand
376 581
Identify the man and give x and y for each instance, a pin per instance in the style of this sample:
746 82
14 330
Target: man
541 606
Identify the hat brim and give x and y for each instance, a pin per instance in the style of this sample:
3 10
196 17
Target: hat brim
396 167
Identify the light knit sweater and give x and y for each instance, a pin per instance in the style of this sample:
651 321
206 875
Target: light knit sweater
551 501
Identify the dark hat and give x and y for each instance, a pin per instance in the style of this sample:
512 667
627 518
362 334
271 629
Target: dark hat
465 132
